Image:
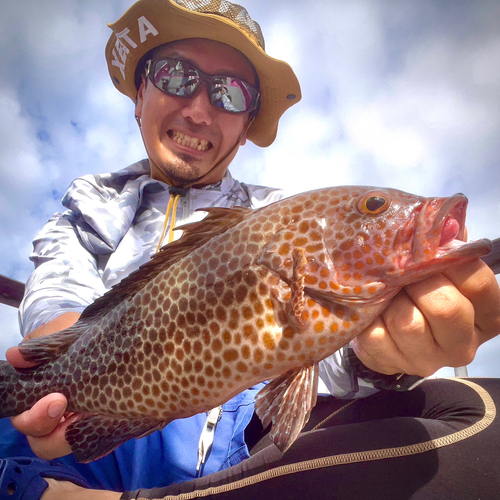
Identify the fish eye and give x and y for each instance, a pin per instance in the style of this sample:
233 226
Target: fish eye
373 203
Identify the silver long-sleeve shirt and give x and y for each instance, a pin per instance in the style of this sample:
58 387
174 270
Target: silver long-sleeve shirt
112 225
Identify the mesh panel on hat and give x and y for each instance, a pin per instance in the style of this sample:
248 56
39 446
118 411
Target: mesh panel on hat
232 11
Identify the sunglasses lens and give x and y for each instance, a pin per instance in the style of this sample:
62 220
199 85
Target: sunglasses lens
232 94
180 78
175 77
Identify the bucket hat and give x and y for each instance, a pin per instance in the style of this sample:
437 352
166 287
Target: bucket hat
150 23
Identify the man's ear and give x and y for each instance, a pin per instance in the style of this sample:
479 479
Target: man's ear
139 100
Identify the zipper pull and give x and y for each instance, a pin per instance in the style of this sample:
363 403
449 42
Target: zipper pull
207 438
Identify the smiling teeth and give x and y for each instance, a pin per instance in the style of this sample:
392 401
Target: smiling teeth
190 142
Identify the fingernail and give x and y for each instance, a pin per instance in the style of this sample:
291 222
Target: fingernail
56 409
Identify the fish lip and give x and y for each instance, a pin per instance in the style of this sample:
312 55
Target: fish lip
418 239
430 223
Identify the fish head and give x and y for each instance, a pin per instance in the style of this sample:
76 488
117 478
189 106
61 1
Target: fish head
392 238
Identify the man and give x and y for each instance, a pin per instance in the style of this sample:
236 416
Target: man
114 223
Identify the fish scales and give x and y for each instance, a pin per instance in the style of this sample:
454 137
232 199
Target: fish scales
244 296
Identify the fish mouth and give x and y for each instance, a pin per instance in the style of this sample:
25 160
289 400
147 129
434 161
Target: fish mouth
436 232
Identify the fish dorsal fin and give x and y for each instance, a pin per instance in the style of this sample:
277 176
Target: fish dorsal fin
42 349
287 402
195 234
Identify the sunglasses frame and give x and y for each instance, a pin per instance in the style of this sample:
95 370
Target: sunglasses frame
210 80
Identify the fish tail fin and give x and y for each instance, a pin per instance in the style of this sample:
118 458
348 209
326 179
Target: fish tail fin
8 379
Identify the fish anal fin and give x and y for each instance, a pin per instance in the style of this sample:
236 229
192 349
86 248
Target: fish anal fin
42 349
94 436
287 402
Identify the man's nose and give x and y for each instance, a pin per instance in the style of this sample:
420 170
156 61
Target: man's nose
198 108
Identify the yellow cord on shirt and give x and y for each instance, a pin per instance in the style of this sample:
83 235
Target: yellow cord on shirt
169 214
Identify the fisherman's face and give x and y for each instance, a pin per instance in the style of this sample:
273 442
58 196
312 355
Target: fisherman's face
165 117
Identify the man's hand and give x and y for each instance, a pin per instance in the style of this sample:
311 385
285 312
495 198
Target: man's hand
45 423
65 490
438 322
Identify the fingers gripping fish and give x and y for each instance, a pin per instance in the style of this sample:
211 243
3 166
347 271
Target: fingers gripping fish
242 297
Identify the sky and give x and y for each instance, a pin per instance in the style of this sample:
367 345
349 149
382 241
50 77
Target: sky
396 93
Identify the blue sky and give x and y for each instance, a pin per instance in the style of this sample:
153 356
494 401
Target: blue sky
403 94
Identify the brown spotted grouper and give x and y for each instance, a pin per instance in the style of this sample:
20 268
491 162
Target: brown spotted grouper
244 296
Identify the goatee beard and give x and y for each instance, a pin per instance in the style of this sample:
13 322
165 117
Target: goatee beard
181 171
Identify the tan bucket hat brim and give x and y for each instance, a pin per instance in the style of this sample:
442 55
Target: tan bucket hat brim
150 23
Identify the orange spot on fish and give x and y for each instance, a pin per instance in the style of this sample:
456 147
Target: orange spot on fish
258 355
305 315
322 340
270 319
372 290
334 286
357 290
319 326
346 245
323 285
346 290
379 258
366 248
325 312
314 248
309 342
260 323
230 355
310 280
300 242
241 367
248 331
268 341
288 332
284 249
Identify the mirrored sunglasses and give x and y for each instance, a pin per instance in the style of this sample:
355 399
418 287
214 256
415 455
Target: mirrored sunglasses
182 79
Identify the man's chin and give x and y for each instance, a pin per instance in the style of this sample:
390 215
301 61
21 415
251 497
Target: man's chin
179 172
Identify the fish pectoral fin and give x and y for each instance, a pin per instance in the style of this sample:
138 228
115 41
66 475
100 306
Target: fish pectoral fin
297 286
287 402
94 436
